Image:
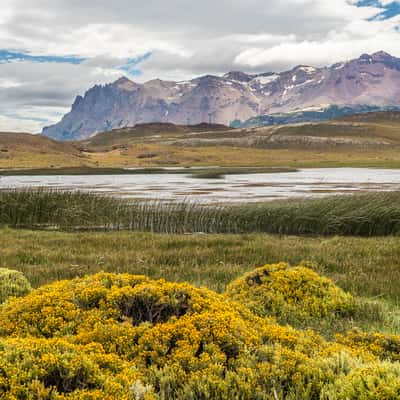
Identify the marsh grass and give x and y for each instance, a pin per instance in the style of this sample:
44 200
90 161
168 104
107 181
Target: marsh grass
357 215
41 208
369 268
376 214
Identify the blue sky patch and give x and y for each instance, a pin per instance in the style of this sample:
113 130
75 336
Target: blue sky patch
131 66
391 10
9 56
388 11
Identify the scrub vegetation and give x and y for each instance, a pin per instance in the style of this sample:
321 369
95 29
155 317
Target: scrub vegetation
122 336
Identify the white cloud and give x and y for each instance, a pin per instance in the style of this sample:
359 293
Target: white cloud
186 38
16 124
356 38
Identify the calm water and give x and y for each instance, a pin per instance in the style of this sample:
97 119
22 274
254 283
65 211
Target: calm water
251 187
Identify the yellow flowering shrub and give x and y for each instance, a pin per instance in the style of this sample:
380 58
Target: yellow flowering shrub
56 369
384 346
12 283
127 337
291 294
377 381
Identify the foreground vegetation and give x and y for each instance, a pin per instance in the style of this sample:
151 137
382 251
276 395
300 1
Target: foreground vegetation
129 337
231 332
362 215
369 268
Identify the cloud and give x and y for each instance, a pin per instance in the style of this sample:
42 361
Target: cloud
57 49
18 124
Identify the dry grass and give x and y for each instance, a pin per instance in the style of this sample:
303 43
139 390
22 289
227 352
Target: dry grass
169 145
249 157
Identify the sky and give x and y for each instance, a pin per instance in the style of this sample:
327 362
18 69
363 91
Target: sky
53 50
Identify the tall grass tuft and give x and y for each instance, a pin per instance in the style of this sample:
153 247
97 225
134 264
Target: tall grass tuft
359 215
42 208
376 214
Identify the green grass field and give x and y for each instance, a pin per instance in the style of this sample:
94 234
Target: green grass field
367 267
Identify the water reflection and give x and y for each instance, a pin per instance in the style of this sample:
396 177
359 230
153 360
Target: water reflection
233 188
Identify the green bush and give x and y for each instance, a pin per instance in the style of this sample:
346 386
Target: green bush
12 283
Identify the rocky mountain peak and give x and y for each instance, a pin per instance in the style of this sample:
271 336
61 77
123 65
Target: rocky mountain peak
77 102
238 76
124 83
382 55
372 80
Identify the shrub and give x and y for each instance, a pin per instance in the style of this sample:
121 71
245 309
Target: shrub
12 283
128 337
182 339
371 382
292 294
384 346
51 369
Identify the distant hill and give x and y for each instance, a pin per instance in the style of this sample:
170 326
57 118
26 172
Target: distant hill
312 114
24 150
370 80
153 132
382 117
371 139
357 131
11 142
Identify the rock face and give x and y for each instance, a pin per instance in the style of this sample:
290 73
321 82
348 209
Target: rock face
237 96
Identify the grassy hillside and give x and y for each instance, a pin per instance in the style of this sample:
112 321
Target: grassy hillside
144 132
362 140
386 117
22 150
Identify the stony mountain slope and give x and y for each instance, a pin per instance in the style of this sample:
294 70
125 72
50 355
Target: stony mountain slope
369 80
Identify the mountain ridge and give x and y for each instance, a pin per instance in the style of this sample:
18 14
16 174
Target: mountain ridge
370 80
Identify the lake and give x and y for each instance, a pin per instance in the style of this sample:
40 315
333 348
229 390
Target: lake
315 182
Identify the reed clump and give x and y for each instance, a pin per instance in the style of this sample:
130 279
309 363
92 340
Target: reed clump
365 215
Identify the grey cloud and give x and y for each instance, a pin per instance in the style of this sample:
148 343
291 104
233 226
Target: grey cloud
186 38
177 17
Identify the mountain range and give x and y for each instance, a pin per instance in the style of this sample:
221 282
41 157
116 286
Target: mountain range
368 83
